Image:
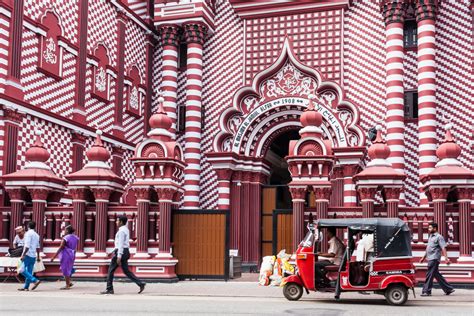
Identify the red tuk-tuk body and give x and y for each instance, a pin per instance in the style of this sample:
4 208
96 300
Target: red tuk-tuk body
388 271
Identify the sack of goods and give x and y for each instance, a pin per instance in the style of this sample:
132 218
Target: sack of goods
275 268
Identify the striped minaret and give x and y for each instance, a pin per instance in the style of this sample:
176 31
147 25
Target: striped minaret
169 81
194 34
425 17
393 12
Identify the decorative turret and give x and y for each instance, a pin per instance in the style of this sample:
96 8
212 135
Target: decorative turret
379 151
449 150
311 120
160 123
37 154
98 155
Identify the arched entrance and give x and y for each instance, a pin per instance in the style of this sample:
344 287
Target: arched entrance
253 140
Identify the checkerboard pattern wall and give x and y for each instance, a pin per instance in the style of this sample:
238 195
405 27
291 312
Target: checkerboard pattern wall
67 11
102 27
56 139
316 38
46 92
128 170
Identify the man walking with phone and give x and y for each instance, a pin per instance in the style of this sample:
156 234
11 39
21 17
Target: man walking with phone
121 256
436 246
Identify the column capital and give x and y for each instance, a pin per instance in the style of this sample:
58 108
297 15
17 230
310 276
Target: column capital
102 193
337 172
224 174
16 194
142 193
170 34
350 170
78 193
438 193
322 193
298 193
426 10
392 193
237 175
393 11
367 193
40 194
195 32
12 116
165 194
465 193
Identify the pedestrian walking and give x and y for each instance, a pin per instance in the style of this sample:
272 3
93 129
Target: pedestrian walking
67 255
121 256
436 246
31 254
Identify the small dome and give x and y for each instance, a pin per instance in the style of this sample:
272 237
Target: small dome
98 152
37 152
379 149
310 117
160 119
449 148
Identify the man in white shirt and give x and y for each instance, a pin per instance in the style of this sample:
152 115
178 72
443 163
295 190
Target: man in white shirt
18 242
332 257
121 256
31 253
365 245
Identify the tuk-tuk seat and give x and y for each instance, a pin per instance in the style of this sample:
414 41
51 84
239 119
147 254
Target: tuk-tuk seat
331 268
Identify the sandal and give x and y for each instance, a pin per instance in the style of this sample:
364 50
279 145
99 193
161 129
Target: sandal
65 288
22 289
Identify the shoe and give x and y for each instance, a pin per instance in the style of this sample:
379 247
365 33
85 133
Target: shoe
425 294
450 292
142 287
107 292
22 289
35 285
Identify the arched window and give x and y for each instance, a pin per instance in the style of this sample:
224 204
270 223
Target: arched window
101 80
135 92
50 53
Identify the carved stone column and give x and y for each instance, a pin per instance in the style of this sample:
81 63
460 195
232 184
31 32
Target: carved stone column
235 220
322 196
392 195
465 233
143 208
102 196
79 217
439 196
367 199
17 201
165 196
223 188
39 198
298 195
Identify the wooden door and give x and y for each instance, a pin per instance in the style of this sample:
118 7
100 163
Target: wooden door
268 205
282 231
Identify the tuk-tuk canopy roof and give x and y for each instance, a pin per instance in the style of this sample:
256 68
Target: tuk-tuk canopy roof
364 223
391 235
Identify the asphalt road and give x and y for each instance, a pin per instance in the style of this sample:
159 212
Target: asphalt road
214 298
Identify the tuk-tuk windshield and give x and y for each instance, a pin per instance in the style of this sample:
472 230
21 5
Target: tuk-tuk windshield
308 240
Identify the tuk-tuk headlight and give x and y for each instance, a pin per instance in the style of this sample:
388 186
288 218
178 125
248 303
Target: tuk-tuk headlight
301 256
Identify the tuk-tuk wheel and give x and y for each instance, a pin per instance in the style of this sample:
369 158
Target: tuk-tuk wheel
292 291
396 294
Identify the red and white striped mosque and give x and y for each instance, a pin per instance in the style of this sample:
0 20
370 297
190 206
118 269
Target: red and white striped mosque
261 112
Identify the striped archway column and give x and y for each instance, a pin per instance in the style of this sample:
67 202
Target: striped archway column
223 188
169 81
393 12
194 34
425 17
350 193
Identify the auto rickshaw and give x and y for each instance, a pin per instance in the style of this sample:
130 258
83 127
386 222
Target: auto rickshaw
388 270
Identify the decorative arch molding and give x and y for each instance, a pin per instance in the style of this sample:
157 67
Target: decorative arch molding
281 92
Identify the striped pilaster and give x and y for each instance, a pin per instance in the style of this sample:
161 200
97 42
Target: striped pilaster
235 211
169 80
395 95
194 35
350 193
426 90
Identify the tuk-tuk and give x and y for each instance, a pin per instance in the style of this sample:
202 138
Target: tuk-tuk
388 270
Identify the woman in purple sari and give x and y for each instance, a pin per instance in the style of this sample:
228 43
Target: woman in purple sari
67 252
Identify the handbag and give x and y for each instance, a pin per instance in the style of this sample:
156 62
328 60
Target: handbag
39 266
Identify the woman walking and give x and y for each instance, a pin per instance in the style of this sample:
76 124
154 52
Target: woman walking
67 252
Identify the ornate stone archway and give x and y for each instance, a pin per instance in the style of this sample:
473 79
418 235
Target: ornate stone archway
271 105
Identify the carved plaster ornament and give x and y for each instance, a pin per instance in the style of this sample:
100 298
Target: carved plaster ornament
49 54
100 79
134 99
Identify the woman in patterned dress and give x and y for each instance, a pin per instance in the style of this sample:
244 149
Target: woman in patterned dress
67 252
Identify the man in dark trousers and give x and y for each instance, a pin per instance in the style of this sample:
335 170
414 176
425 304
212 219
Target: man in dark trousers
436 246
121 256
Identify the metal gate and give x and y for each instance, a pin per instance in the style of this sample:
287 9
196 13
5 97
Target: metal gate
282 231
201 243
